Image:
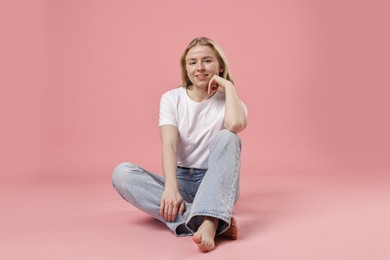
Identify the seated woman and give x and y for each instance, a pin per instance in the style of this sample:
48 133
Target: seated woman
199 122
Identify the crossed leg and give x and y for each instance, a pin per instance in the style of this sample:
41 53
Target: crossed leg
205 236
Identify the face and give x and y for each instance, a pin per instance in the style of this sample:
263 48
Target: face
201 65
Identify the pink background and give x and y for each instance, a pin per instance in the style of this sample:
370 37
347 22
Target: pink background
81 83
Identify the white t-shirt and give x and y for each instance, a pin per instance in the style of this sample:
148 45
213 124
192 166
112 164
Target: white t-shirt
197 124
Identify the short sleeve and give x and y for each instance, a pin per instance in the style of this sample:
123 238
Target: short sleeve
245 108
167 110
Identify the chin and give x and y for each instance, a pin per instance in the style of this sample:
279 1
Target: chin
203 84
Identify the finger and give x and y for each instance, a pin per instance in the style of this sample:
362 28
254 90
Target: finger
215 79
169 215
162 205
166 211
212 84
182 208
174 213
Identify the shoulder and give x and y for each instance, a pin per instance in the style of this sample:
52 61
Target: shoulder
173 94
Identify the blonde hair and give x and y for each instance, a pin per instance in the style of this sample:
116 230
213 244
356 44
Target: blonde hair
223 63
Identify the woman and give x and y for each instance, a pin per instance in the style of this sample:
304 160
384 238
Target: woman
201 151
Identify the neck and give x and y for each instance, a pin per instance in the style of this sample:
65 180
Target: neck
199 94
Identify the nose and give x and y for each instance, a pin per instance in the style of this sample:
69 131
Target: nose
200 66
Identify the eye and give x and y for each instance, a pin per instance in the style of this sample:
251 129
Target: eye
192 63
208 61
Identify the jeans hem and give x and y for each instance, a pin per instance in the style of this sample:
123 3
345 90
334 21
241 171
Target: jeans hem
183 232
222 227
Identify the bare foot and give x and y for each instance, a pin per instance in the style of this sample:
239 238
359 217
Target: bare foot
205 235
232 231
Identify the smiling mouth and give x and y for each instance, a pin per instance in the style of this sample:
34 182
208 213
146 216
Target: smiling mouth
201 77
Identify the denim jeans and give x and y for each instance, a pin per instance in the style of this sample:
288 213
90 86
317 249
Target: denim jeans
207 192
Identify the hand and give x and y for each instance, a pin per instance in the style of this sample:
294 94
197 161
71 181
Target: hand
171 203
217 83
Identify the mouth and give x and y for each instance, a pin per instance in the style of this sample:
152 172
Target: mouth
201 76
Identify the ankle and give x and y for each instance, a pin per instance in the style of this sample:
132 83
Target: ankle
211 221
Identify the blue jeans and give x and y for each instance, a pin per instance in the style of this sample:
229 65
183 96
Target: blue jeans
207 192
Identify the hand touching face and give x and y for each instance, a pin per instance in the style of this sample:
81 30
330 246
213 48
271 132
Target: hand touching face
217 83
201 65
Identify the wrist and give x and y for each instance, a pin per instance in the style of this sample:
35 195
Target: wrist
171 186
229 86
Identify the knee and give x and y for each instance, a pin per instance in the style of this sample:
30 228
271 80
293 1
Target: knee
121 173
228 137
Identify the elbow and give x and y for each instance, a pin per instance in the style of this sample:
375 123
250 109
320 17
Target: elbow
236 126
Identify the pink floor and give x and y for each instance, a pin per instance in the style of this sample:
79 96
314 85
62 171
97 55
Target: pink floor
279 216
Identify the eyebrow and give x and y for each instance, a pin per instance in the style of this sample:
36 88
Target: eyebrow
206 57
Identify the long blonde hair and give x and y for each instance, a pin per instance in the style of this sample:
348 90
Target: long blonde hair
223 63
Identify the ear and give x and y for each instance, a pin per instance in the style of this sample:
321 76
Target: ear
221 70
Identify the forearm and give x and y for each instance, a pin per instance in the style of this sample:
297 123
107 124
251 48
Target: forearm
235 117
171 200
169 167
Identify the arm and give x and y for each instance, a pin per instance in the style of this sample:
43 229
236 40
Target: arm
235 118
171 200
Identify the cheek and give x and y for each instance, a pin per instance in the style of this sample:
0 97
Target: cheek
189 71
189 76
214 68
